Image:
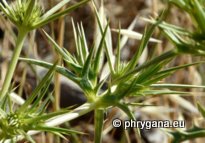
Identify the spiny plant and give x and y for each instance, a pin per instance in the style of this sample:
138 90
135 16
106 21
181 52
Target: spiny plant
189 41
28 15
123 79
31 115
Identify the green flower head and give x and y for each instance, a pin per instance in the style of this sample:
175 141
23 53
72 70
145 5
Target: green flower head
29 15
26 13
23 13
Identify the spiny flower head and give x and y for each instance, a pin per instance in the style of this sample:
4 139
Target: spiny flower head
23 13
11 125
26 13
29 15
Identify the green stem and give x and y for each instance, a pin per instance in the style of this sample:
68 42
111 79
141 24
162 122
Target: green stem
99 117
19 44
192 133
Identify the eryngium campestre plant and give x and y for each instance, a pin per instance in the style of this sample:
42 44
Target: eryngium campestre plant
124 79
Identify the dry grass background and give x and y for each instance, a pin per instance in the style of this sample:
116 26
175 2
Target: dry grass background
169 107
